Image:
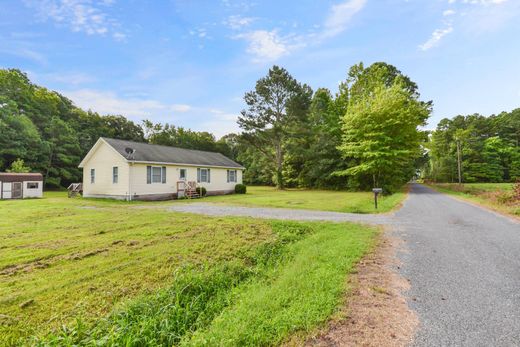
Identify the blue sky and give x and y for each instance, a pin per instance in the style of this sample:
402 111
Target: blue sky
189 63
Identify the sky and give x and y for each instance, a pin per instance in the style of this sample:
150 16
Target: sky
190 62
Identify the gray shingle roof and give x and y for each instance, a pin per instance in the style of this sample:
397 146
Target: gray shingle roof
171 155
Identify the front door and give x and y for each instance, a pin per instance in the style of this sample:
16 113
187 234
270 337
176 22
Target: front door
16 190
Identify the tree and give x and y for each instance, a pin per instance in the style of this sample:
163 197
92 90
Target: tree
275 107
18 166
19 137
380 130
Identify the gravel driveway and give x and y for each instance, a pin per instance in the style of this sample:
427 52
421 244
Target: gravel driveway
462 261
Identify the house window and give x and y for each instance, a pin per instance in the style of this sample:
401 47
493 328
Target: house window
155 174
203 175
182 174
32 185
92 175
231 175
115 174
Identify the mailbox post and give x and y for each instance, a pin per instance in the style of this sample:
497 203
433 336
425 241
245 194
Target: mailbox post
376 191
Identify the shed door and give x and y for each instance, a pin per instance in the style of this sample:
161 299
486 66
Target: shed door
16 190
6 190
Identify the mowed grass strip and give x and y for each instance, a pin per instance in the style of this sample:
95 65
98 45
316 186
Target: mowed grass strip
66 258
84 272
289 285
497 196
296 296
324 200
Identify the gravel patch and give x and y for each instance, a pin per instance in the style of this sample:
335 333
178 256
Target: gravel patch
279 213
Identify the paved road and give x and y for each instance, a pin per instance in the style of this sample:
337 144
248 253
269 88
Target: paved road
463 263
464 266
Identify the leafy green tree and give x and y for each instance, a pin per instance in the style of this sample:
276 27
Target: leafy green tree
380 130
19 166
19 137
64 154
274 109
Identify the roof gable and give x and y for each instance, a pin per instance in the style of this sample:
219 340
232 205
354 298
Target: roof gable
94 149
147 153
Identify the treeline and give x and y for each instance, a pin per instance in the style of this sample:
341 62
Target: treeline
365 134
51 135
487 148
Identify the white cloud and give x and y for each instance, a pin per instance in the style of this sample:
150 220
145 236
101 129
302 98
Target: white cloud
238 22
435 38
72 78
180 108
448 13
473 16
484 2
340 15
265 46
109 103
85 16
268 45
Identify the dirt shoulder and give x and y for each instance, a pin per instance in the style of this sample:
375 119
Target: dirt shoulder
376 313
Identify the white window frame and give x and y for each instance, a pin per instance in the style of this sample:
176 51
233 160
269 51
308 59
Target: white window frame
234 174
154 176
36 185
92 176
181 176
115 174
206 173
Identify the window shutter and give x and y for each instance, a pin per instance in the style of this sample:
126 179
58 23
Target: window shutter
163 174
198 175
209 180
227 176
148 174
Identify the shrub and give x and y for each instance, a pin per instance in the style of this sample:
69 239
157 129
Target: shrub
240 189
204 191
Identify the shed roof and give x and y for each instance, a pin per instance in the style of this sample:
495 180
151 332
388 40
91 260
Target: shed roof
20 177
144 152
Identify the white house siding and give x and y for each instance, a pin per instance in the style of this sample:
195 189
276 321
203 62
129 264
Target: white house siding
103 160
142 190
32 192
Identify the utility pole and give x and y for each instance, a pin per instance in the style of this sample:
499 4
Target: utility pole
459 167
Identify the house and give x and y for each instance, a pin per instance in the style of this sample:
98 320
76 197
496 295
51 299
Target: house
130 170
20 185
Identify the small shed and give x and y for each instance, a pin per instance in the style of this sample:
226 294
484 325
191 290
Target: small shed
20 185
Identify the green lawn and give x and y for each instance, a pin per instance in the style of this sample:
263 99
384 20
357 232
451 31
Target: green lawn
111 271
496 196
325 200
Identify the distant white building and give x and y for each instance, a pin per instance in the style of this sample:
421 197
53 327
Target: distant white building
20 185
130 170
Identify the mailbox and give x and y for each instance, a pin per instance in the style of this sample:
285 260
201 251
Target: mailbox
376 191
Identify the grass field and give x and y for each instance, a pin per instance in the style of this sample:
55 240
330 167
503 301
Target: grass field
81 271
326 200
497 196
